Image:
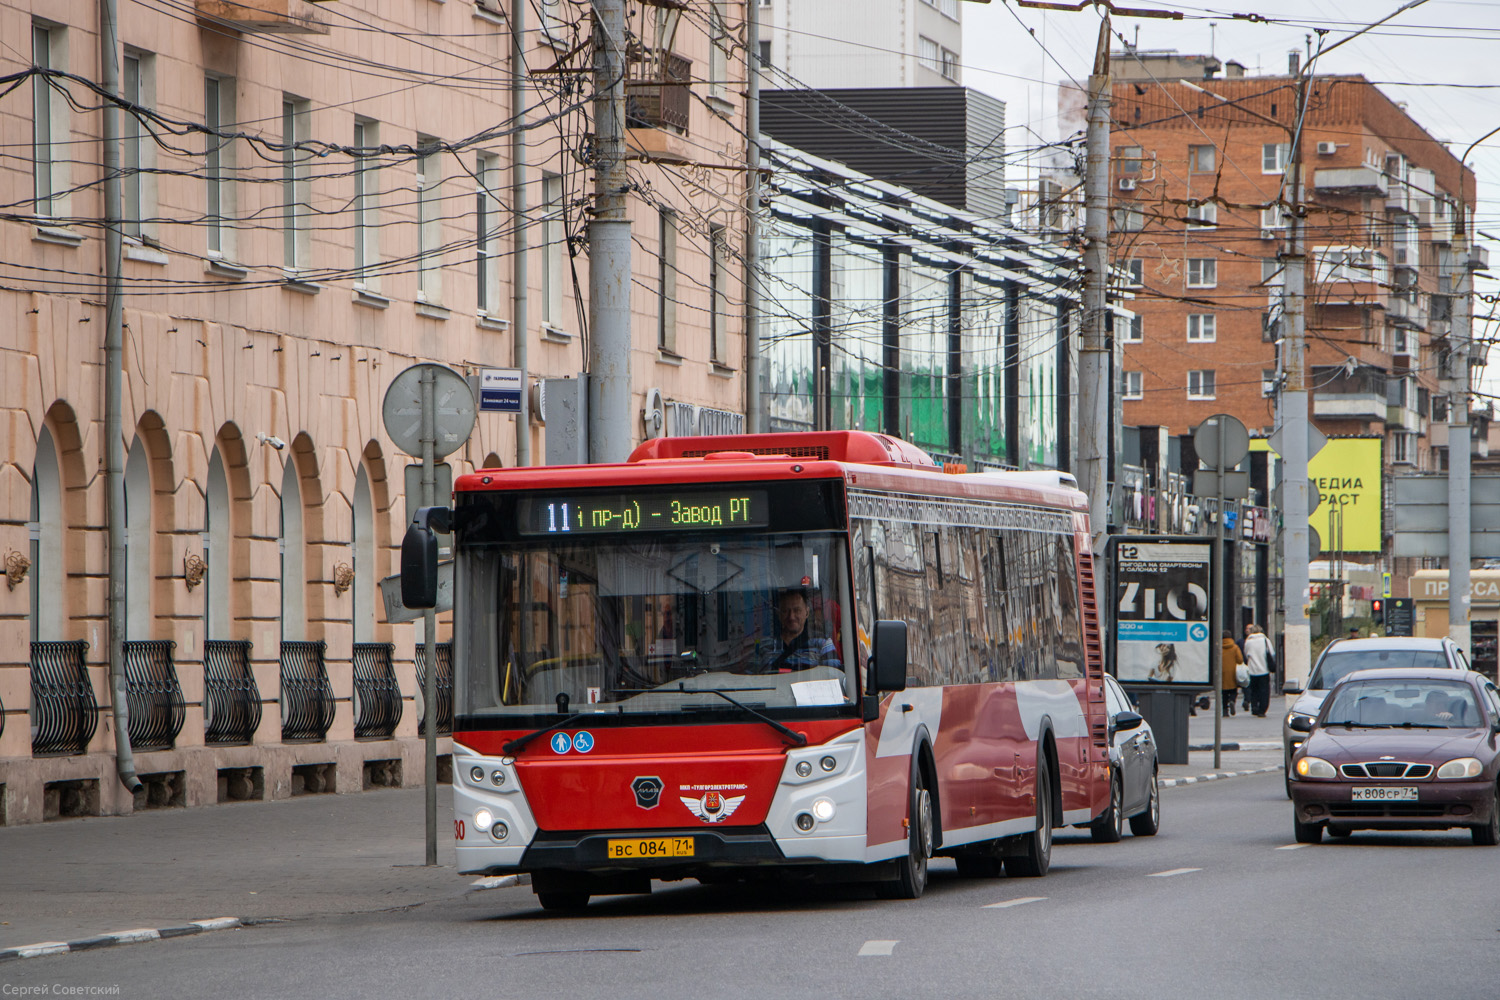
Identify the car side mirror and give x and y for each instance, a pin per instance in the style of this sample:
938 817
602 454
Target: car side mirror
1301 724
1291 687
1128 720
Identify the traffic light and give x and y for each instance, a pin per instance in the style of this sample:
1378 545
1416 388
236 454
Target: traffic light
1377 611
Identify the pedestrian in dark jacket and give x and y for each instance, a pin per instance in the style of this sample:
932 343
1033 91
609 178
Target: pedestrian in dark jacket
1229 665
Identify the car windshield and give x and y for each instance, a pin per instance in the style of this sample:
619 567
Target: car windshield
653 624
1417 703
1338 662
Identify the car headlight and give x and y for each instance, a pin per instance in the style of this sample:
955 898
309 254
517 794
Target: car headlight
1298 715
1463 767
1315 767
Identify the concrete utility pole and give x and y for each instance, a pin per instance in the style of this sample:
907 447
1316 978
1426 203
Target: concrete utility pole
520 269
114 383
610 417
429 617
754 419
1458 441
1292 416
1094 389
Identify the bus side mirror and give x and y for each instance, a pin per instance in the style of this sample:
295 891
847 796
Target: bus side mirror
419 558
888 657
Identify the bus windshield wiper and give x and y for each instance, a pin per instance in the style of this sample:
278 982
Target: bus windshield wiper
518 744
797 739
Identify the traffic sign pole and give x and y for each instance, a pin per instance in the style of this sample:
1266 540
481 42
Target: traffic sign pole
429 617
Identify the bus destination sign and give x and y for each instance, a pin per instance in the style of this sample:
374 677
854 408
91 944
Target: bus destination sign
625 512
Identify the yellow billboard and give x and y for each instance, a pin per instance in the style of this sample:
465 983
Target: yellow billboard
1347 473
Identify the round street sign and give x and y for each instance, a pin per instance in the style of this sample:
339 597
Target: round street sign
453 418
1206 441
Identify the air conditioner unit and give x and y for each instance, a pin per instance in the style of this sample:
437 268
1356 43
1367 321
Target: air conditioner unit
654 414
1327 148
1127 183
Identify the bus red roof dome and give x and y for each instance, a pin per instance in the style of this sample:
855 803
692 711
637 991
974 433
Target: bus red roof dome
860 447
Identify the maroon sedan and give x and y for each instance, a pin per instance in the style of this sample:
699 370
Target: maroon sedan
1401 749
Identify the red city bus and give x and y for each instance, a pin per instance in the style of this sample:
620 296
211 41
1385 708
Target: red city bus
780 655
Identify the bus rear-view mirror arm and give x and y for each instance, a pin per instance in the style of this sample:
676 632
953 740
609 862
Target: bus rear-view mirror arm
887 668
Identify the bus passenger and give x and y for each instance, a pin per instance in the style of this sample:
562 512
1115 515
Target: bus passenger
793 647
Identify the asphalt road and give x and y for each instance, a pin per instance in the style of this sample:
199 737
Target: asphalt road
1220 904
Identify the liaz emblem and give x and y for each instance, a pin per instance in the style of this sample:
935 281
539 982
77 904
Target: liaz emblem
647 792
713 807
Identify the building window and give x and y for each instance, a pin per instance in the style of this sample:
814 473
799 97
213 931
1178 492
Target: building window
49 123
1130 159
1129 219
1201 384
1137 269
763 48
486 231
950 65
1133 389
429 221
1203 216
718 316
718 49
1273 219
1401 448
1268 381
295 183
366 205
949 8
1201 159
1135 330
1202 328
218 164
1272 274
138 157
553 246
927 53
1203 272
666 296
1273 157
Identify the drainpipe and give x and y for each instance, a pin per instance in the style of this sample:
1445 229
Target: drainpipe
754 405
521 272
114 358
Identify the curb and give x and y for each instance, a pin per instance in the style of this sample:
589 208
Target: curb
120 937
1237 745
1216 776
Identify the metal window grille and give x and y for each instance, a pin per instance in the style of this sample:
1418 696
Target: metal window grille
153 694
64 713
231 697
377 696
306 697
444 679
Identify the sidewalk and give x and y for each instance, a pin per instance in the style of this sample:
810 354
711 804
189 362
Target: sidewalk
317 854
1248 744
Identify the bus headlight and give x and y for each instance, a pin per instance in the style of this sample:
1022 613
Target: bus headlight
804 768
483 819
823 810
805 822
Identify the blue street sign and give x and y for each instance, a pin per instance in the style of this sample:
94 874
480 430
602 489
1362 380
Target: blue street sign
500 390
583 742
561 742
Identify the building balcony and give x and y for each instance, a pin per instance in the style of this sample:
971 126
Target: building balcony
1403 312
1343 396
293 17
659 96
1479 258
1404 418
1349 180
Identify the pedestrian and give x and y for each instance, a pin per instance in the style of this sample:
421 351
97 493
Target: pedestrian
1259 661
1230 664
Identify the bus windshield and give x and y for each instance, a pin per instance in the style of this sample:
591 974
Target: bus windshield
652 624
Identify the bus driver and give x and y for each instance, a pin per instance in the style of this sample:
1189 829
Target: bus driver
793 648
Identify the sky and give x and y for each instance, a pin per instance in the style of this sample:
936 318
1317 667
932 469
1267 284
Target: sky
1440 57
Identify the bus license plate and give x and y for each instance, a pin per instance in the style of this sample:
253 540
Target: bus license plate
649 847
1378 794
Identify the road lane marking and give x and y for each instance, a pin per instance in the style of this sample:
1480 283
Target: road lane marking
871 949
1174 871
1022 901
1292 847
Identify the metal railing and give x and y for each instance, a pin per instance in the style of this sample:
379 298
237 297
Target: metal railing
444 679
231 698
64 713
657 93
306 697
153 694
377 696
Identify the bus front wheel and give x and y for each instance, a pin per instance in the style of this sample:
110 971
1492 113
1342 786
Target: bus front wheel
911 871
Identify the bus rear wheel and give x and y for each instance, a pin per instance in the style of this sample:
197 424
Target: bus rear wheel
911 871
1037 855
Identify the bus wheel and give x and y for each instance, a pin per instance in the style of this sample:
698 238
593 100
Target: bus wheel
566 900
1038 851
911 871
